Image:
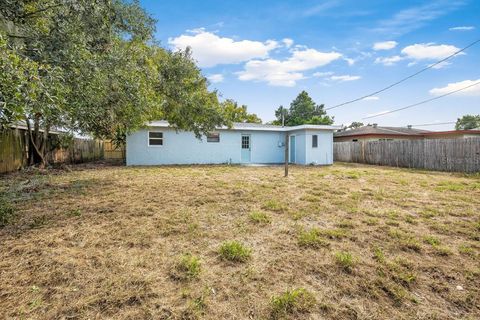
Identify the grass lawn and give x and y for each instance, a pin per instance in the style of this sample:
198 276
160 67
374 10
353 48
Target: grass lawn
229 242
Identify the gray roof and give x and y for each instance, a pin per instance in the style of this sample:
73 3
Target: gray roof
380 131
240 125
258 126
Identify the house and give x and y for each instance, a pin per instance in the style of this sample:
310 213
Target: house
452 134
244 143
377 133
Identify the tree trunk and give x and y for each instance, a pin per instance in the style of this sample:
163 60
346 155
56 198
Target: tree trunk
34 141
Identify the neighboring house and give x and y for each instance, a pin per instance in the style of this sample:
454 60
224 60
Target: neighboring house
244 143
452 134
377 133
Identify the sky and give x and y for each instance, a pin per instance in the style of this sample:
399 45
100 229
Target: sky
264 53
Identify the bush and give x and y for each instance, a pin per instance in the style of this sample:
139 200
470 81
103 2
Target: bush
292 302
235 251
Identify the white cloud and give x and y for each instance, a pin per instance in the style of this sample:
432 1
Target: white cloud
472 91
421 51
415 17
350 61
287 42
286 72
385 45
322 74
389 61
210 50
429 51
345 78
372 98
215 78
462 28
441 65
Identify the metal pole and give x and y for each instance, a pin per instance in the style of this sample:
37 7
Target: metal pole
286 153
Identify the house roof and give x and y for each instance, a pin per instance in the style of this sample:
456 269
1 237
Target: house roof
453 132
258 126
377 130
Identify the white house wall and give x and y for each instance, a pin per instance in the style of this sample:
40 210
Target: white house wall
266 147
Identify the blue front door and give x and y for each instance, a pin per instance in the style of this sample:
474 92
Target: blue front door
292 149
246 148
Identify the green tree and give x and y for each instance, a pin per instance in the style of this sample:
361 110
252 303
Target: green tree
303 110
355 125
93 67
236 113
468 122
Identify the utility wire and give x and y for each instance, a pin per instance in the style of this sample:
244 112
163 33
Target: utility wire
421 102
404 79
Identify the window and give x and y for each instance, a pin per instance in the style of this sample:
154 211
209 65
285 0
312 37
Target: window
245 142
314 141
355 140
155 138
213 137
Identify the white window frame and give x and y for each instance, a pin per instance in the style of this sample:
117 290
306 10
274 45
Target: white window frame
155 145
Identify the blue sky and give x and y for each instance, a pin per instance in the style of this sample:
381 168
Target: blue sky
263 53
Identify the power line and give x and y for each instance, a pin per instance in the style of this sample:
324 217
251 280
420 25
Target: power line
406 78
421 102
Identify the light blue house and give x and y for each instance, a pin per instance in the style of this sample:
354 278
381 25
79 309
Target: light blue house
244 143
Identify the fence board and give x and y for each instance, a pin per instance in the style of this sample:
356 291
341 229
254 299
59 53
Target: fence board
461 155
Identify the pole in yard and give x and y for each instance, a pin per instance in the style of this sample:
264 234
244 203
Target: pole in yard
286 153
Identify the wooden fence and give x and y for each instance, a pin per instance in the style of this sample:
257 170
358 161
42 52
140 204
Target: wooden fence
462 155
14 150
113 152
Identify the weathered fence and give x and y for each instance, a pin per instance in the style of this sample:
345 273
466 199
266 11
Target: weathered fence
111 151
462 155
14 150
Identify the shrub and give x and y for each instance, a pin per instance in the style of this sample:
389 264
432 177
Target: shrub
292 302
345 260
187 267
311 238
7 213
260 217
235 251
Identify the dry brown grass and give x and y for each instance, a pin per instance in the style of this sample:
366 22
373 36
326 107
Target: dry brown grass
103 241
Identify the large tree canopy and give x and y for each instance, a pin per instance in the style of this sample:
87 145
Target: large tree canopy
236 113
468 122
93 67
303 110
